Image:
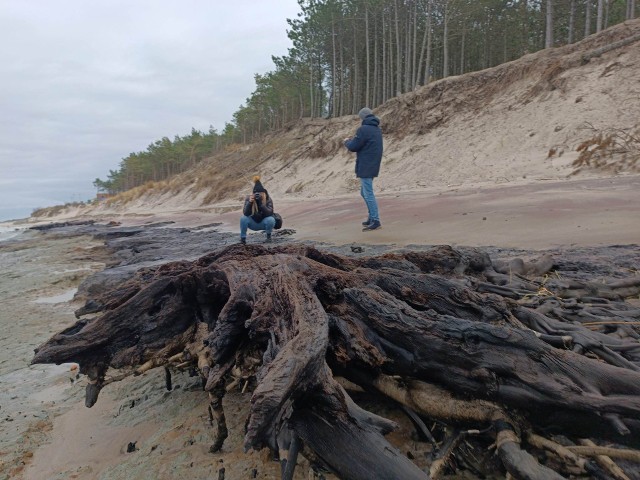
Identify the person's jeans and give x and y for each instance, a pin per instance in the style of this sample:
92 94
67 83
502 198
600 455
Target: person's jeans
267 224
366 190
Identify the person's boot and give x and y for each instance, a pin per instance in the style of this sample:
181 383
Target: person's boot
243 240
374 225
366 222
268 240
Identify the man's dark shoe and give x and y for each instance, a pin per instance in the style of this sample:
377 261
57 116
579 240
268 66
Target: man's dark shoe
367 222
268 240
243 241
374 225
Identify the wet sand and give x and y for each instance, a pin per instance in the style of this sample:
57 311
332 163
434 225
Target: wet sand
37 279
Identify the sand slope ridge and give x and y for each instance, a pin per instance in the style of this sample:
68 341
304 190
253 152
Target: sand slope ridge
546 116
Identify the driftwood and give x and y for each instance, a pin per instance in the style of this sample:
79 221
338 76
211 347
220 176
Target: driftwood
607 48
442 332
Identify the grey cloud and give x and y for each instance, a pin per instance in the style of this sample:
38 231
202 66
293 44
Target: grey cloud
86 83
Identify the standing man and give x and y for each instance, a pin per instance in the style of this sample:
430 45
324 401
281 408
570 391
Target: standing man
367 143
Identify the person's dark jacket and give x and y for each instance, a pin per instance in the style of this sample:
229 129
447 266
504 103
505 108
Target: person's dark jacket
264 209
368 144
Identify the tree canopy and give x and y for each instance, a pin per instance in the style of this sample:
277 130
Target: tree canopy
347 54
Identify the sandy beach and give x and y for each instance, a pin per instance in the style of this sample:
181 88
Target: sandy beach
533 216
47 431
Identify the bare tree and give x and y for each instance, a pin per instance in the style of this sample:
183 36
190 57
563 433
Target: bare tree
587 19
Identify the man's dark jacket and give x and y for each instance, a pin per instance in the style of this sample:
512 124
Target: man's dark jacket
368 144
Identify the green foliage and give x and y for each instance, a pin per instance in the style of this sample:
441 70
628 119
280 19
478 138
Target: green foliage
347 54
164 159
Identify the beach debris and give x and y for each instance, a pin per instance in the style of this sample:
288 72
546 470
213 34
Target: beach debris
509 353
284 232
54 225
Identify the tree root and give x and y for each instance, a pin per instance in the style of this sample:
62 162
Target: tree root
440 332
605 461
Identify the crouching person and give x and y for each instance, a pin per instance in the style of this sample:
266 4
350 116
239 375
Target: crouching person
257 212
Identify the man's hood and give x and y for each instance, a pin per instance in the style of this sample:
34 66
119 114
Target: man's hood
371 120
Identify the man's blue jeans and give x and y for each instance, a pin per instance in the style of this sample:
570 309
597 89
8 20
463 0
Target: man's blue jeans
267 224
366 190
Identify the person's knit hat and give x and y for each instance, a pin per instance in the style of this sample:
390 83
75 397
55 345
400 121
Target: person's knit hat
257 187
365 112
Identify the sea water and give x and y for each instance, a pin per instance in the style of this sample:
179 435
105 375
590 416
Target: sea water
9 231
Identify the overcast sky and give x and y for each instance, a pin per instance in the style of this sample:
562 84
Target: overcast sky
85 83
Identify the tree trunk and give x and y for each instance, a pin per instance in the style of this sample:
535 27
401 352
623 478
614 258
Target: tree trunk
448 332
524 11
445 42
407 52
311 91
334 96
367 91
341 85
600 16
414 50
572 21
384 61
376 98
462 45
416 80
427 68
548 41
355 78
398 53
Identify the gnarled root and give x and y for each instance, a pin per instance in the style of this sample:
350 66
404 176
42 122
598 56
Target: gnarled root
439 331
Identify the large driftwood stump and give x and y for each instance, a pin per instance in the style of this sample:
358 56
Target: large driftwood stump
444 332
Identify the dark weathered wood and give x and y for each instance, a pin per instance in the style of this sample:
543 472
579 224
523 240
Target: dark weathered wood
443 454
216 413
607 48
440 331
420 425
